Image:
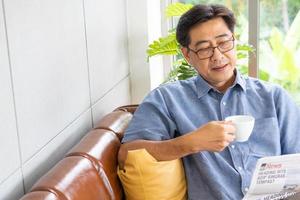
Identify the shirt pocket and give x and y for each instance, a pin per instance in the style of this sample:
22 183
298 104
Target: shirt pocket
265 138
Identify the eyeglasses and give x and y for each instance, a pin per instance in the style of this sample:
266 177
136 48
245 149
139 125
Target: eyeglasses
209 52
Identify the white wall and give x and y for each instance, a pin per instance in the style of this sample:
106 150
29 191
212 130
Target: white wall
63 65
138 42
146 23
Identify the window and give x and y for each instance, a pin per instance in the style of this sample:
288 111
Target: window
279 44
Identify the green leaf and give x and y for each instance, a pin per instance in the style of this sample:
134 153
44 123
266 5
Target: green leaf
181 70
243 50
287 66
177 9
164 46
241 55
243 69
245 47
276 41
264 75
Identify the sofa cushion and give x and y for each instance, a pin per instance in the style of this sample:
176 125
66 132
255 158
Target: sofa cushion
74 178
101 146
144 177
116 122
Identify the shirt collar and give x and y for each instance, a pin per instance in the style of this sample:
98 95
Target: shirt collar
203 87
239 80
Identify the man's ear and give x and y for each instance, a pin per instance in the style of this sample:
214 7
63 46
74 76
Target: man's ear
185 53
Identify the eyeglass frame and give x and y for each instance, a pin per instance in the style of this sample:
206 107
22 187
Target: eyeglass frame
213 49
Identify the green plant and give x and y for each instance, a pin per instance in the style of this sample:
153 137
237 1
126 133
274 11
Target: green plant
280 54
169 46
287 72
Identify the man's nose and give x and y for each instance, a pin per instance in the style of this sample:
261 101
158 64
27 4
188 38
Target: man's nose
217 55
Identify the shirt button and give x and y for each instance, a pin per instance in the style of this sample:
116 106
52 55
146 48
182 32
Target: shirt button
224 103
232 146
246 189
240 168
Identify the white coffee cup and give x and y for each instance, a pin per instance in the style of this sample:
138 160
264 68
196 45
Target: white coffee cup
244 125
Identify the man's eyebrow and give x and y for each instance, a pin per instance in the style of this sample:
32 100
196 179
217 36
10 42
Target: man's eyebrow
222 35
207 41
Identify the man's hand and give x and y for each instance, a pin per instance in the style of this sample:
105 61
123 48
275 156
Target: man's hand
213 136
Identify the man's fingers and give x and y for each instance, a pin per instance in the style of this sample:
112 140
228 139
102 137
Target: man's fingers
230 137
228 125
229 128
225 122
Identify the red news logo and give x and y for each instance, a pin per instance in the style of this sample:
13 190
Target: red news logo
270 166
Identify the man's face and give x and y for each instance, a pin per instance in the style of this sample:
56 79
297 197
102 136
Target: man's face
218 70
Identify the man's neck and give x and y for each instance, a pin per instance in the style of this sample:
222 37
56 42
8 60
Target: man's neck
222 87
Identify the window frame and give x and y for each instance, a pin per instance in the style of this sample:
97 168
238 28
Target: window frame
253 35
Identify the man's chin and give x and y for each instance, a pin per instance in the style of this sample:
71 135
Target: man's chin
223 79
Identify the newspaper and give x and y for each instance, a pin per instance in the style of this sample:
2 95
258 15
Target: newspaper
275 177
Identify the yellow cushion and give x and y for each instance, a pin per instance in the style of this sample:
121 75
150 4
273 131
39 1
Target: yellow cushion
145 178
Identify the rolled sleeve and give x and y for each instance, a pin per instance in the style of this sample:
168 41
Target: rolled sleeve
151 121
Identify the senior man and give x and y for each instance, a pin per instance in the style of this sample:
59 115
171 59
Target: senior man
185 119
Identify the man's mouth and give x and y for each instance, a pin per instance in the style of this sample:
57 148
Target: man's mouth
220 68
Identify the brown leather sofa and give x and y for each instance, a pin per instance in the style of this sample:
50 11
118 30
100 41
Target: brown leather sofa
89 169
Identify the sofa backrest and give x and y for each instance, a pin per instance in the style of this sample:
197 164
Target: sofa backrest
89 170
101 147
73 178
116 122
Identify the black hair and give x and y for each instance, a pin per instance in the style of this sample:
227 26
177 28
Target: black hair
201 13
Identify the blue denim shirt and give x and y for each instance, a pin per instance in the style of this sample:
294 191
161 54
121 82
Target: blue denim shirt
178 108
